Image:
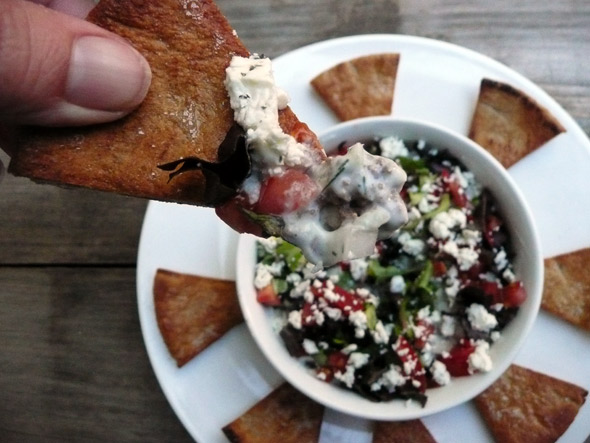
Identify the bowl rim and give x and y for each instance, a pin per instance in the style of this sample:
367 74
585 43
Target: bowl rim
259 319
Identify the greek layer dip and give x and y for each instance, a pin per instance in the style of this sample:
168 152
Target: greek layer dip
425 307
332 208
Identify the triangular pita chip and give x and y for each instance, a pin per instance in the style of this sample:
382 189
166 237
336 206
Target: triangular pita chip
526 406
186 113
410 431
192 312
509 123
285 416
566 291
360 87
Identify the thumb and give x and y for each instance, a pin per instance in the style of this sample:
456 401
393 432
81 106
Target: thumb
59 70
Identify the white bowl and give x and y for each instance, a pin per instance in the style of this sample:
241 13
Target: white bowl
528 266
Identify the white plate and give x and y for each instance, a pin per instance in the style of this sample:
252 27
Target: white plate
438 82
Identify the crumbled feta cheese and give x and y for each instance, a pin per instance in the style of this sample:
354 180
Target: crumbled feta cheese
295 319
358 359
440 374
262 277
479 359
393 147
380 334
447 326
310 347
397 285
480 319
358 268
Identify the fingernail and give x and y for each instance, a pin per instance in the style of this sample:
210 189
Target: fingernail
106 74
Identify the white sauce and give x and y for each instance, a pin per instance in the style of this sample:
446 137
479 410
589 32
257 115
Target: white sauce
328 230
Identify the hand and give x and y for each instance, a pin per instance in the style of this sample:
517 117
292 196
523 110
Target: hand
58 70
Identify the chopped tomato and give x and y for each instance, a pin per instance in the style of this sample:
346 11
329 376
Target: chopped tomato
493 290
457 195
337 361
426 329
232 214
347 302
514 294
412 366
268 296
287 192
439 268
457 361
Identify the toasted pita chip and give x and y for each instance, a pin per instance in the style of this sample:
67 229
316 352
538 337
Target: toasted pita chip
285 416
566 291
192 312
360 87
186 112
525 406
509 123
410 431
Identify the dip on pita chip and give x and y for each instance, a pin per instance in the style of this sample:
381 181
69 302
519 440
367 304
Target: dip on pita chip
192 312
410 431
360 87
510 124
186 113
566 290
285 416
526 406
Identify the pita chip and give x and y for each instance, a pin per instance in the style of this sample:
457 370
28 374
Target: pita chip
410 431
360 87
186 113
192 312
525 406
566 290
510 124
285 416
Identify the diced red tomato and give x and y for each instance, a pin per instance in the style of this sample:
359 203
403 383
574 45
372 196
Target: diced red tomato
287 192
426 330
457 195
307 317
328 374
268 296
337 361
232 214
493 290
457 361
514 294
409 357
347 301
439 268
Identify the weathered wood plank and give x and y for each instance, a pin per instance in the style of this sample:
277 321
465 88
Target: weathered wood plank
74 367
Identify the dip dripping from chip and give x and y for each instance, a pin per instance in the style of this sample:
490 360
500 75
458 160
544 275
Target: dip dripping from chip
333 208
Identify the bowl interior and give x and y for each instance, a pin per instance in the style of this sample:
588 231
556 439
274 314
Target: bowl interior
528 267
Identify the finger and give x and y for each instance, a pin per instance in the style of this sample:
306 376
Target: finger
76 8
59 70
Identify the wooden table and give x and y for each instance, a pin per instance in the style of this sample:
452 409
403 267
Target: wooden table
72 361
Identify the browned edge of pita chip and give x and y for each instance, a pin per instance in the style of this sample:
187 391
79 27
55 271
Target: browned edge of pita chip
285 415
186 113
566 290
192 312
360 87
510 124
409 431
525 406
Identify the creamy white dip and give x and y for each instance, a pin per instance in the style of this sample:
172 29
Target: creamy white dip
359 201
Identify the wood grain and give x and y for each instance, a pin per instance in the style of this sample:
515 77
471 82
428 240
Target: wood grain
67 279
